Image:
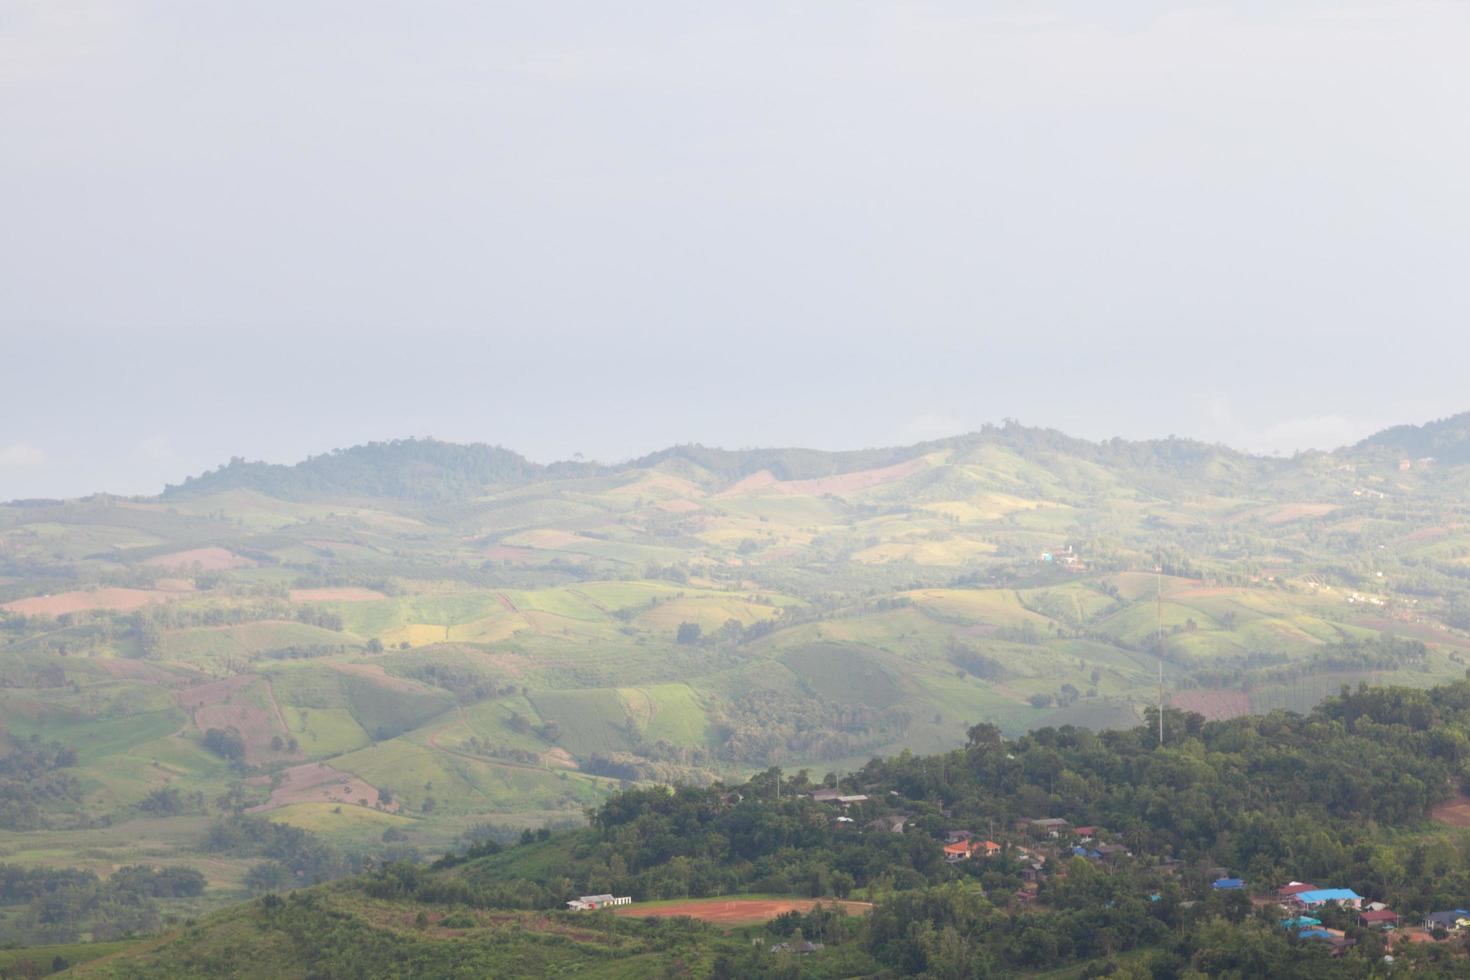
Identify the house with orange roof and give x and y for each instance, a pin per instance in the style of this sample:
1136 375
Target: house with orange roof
966 849
960 851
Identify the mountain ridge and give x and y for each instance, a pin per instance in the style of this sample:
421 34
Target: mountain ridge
430 470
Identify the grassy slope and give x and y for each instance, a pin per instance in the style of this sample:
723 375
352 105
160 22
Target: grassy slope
555 602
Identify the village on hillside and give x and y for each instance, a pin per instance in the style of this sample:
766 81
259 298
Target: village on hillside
1043 847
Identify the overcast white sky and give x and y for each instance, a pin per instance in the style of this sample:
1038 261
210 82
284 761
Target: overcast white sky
270 229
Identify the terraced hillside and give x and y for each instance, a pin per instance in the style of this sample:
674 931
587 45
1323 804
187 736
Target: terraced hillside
402 642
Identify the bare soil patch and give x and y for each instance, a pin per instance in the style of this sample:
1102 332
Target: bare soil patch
505 552
229 703
842 483
1456 812
559 757
382 678
349 593
677 506
317 782
71 602
750 484
737 911
211 559
1214 705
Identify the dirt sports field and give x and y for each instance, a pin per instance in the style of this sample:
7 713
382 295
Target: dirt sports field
735 911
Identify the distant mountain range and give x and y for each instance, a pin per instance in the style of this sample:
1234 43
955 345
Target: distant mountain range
428 470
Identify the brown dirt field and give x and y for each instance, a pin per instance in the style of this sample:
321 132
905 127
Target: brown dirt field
1428 533
71 602
845 483
547 539
1410 630
230 703
214 692
503 552
317 782
861 480
677 506
1214 705
350 593
750 484
1456 812
381 677
738 911
209 559
560 757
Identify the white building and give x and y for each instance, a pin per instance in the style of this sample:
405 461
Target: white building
589 903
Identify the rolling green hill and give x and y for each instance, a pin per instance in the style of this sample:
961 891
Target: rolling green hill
424 638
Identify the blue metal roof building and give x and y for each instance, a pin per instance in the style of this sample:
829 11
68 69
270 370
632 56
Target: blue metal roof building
1321 896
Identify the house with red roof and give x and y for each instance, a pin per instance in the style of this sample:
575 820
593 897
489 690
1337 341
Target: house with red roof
1379 918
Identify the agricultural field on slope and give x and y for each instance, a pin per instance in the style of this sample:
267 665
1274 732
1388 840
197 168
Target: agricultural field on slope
844 673
990 607
590 721
541 618
324 732
674 712
358 825
202 646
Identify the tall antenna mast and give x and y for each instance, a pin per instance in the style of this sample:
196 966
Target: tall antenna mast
1159 612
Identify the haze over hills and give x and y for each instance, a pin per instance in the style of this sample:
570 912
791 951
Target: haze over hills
391 645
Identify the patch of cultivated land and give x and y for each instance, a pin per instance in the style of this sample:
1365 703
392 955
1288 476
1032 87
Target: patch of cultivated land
736 911
208 559
243 703
62 603
1456 812
348 593
317 782
1214 705
766 482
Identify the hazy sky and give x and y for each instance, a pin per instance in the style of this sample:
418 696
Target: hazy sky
273 228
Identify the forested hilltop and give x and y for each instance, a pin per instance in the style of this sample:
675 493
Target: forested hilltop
271 676
1105 854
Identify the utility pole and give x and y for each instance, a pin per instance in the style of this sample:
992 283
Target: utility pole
1159 610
